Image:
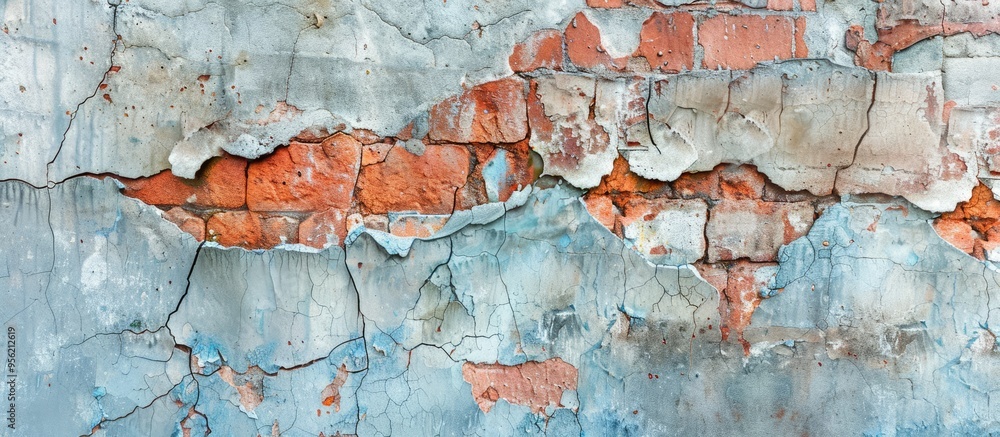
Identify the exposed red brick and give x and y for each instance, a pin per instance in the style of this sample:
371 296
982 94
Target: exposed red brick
854 36
780 5
906 33
622 180
877 56
323 228
739 42
667 41
958 233
365 136
537 385
312 135
406 133
517 163
306 177
584 47
742 297
341 146
896 33
378 222
407 182
982 206
277 230
974 225
978 29
474 191
187 222
739 286
418 226
221 183
236 228
807 5
375 153
701 184
754 229
801 48
607 4
493 112
717 276
543 49
741 182
603 209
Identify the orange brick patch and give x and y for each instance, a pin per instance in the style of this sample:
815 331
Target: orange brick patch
221 183
544 49
974 226
306 177
667 41
740 42
489 113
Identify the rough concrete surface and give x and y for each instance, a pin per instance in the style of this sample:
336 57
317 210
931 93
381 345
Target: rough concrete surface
575 217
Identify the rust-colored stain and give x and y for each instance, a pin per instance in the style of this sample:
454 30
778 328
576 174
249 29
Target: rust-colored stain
331 393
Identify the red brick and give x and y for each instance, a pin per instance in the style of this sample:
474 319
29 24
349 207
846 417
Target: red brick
221 183
277 230
306 177
780 5
473 193
602 209
583 45
312 135
378 222
906 33
956 232
187 222
407 182
876 56
702 184
606 4
739 42
667 41
236 228
801 49
807 5
753 229
741 182
717 276
493 112
365 136
543 49
416 225
622 180
742 296
323 228
516 161
375 153
537 385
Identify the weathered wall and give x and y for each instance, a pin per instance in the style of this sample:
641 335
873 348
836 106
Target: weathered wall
602 217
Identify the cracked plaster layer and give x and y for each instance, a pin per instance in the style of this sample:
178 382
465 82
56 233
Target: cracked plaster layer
401 328
239 77
600 217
